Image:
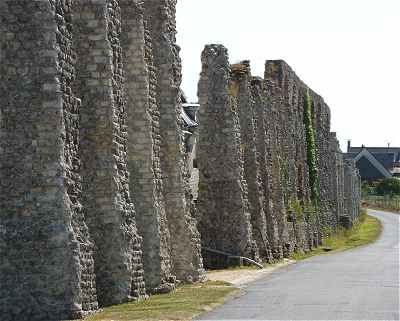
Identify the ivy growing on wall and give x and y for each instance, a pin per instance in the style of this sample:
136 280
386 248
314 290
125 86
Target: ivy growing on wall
311 146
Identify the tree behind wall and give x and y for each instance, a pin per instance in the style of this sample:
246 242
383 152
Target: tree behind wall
389 186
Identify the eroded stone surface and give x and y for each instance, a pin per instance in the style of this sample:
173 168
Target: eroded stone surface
83 85
266 144
225 221
185 239
96 207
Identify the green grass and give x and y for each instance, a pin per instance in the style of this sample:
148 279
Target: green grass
383 209
183 304
189 301
366 231
391 204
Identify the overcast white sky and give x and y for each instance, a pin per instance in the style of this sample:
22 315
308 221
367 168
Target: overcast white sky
348 51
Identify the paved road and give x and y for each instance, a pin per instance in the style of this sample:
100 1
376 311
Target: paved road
359 284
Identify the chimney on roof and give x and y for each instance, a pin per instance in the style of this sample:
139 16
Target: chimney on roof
348 145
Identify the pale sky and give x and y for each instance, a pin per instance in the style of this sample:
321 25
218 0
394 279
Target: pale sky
348 51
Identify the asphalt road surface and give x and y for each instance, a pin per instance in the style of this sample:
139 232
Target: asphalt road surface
359 284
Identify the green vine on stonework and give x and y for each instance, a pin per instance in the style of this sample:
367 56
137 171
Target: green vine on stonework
311 147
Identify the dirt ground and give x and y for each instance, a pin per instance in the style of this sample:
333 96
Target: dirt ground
241 277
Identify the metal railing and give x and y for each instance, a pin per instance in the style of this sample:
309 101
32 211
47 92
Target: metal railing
231 256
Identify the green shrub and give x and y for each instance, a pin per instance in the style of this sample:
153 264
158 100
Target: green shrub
389 186
368 189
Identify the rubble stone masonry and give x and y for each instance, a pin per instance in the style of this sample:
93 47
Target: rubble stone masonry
248 127
144 139
95 202
185 238
291 174
107 201
84 211
225 220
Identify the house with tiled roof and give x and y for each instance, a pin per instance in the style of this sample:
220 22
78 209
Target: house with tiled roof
375 163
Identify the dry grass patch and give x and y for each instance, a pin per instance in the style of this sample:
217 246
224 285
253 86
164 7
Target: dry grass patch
185 303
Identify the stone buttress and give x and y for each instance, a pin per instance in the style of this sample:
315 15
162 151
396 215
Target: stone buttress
241 76
47 267
336 196
265 141
95 201
225 221
144 146
186 257
107 201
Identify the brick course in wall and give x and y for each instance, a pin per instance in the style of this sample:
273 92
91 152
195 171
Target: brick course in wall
144 144
46 270
83 86
185 239
107 201
96 207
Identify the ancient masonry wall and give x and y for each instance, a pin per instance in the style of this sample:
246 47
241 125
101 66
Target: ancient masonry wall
225 220
89 89
144 145
185 238
107 203
241 77
336 197
46 269
312 150
94 185
273 178
293 196
264 138
352 194
292 165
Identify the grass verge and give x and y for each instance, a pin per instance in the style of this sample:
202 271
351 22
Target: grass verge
366 231
183 304
379 208
189 301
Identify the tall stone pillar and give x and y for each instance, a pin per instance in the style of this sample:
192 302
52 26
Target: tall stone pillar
265 143
185 239
337 184
107 202
241 76
276 214
225 221
46 255
322 138
352 190
144 145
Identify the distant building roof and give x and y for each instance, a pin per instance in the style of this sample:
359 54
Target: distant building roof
189 122
374 162
388 156
189 112
386 159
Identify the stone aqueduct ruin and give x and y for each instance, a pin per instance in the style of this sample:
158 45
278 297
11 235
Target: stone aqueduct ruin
95 201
